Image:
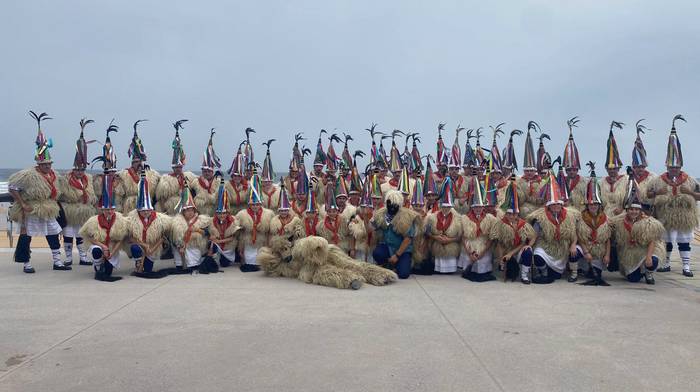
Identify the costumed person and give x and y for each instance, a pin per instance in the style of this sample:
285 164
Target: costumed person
444 229
284 223
346 159
360 227
106 233
530 182
510 161
237 187
422 263
35 193
127 187
675 195
290 181
77 197
513 238
147 232
255 227
270 193
321 186
555 243
394 227
613 186
636 238
205 188
468 171
639 165
355 184
476 256
223 232
395 164
542 168
576 184
170 186
334 226
594 232
441 156
319 160
108 161
190 236
248 157
310 216
459 187
303 190
341 194
430 189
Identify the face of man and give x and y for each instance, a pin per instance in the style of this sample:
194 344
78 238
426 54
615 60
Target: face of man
555 208
593 208
445 210
267 184
293 173
634 213
529 174
674 171
177 170
496 175
311 215
44 167
612 172
144 214
283 213
221 215
454 172
638 170
396 174
341 201
236 178
512 217
417 208
318 170
136 164
332 213
354 200
302 198
478 210
107 213
571 172
255 207
208 174
188 213
431 197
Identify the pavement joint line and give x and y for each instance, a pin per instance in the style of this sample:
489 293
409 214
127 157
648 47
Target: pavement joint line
461 338
43 353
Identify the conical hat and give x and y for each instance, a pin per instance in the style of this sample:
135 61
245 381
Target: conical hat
441 149
222 197
639 153
550 192
109 156
404 185
417 198
310 201
491 191
477 193
563 184
509 159
330 203
331 156
41 155
416 161
143 199
107 199
612 156
446 193
469 155
238 164
511 203
456 151
267 171
529 158
674 154
210 160
303 184
395 163
355 186
542 152
80 161
366 198
593 187
136 151
248 156
571 159
633 196
429 185
254 190
186 199
284 204
320 157
179 156
346 157
376 188
341 187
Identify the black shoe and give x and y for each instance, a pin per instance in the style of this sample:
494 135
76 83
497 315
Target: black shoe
590 274
224 263
104 278
542 280
572 279
62 267
68 263
688 273
28 270
249 268
85 262
664 269
150 274
649 279
525 281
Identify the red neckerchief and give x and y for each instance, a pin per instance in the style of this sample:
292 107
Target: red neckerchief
146 225
299 211
310 229
434 208
612 181
269 196
628 227
256 216
573 182
106 225
333 226
458 185
190 227
594 222
238 188
443 221
284 223
644 176
394 182
222 226
50 179
180 179
206 184
79 182
134 175
516 230
531 184
556 222
676 182
472 216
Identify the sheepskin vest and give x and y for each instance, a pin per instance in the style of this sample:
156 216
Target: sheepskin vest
633 238
205 194
254 228
528 191
594 232
510 236
151 231
476 230
613 193
285 229
335 231
401 223
185 233
555 236
365 240
97 229
577 192
271 198
168 191
228 228
676 210
237 196
39 191
127 190
449 225
420 242
77 198
645 182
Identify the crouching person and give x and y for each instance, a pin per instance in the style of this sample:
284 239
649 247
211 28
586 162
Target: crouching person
147 229
476 252
190 233
224 230
106 233
394 226
594 232
255 224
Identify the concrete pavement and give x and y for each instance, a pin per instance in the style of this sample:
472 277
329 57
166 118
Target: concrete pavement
63 331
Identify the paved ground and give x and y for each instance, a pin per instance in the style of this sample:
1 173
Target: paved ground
63 331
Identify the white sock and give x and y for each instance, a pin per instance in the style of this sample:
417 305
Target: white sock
56 256
524 272
68 249
27 265
685 258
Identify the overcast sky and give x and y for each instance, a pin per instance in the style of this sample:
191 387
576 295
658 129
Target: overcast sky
287 66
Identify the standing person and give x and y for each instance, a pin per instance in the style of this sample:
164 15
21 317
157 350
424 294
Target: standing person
675 195
35 192
422 262
106 232
613 187
513 237
237 187
310 216
334 226
270 192
147 231
575 184
170 186
360 227
205 186
255 227
284 223
127 187
530 182
644 177
77 199
444 229
555 243
636 236
476 250
594 232
190 236
223 232
395 227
